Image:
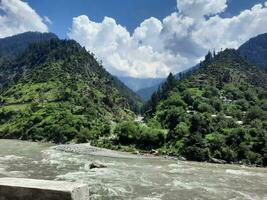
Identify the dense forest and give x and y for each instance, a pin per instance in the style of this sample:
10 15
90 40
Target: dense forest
57 91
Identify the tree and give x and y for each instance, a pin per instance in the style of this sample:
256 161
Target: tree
126 132
204 107
256 113
172 116
211 92
208 58
168 86
181 130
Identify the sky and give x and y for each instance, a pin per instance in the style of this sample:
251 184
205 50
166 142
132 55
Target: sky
141 38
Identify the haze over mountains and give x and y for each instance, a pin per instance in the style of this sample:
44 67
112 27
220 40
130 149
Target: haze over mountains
254 51
140 83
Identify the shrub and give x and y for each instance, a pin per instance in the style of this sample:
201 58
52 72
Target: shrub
228 154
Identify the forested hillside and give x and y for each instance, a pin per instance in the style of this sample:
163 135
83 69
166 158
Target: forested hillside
14 45
218 114
57 91
147 93
255 51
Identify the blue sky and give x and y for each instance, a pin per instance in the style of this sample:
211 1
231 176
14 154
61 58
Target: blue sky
141 38
128 13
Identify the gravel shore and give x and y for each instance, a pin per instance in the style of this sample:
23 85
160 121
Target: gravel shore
91 150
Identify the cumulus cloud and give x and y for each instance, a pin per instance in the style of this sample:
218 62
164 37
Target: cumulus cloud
122 53
17 16
201 8
177 42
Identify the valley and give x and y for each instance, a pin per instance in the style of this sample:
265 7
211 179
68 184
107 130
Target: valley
56 91
138 100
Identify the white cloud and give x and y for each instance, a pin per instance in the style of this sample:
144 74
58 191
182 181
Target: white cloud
223 33
19 17
122 53
179 41
48 20
201 8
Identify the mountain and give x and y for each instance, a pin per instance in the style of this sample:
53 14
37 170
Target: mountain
14 45
57 91
140 83
146 93
255 51
217 114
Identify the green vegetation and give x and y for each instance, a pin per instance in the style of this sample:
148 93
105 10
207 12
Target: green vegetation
11 47
217 112
131 136
56 91
255 51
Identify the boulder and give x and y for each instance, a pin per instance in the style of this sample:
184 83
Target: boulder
154 152
136 153
94 165
182 158
218 161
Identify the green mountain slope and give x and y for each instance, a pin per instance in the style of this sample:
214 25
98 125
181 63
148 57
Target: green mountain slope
255 51
219 112
58 92
146 93
14 45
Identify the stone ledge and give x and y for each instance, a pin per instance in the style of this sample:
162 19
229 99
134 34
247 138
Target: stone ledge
31 189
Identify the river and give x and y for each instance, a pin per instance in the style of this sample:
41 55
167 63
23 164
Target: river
133 178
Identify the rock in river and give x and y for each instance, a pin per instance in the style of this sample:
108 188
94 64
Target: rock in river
94 165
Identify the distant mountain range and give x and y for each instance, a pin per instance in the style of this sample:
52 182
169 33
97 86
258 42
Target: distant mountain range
140 83
146 93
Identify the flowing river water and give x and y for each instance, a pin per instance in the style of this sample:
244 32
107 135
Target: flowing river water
133 177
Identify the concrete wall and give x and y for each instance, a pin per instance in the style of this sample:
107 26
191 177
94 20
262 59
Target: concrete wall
29 189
